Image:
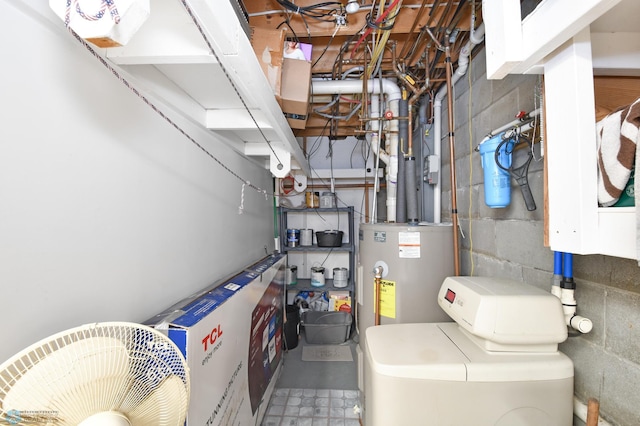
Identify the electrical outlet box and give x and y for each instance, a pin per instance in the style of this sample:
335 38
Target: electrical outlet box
431 169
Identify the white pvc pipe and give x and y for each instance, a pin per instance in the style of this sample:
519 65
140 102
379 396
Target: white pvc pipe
437 152
393 95
374 115
569 306
340 87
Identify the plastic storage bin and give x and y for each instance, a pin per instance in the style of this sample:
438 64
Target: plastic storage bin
326 328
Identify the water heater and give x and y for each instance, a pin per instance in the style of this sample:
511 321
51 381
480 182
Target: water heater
415 261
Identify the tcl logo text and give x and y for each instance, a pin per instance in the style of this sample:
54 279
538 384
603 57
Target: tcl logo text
210 339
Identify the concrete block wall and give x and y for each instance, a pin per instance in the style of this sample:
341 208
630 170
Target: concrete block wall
509 243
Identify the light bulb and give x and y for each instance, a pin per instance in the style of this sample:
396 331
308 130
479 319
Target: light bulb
353 6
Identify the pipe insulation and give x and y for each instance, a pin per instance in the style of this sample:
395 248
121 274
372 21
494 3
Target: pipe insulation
412 190
475 38
392 95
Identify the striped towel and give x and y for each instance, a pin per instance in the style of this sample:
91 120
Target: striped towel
617 136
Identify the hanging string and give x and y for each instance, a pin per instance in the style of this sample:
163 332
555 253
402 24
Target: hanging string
226 73
241 208
159 112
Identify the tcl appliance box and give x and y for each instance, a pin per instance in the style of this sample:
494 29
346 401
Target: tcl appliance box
231 337
268 46
296 86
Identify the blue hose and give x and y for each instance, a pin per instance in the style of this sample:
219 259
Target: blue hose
568 265
557 262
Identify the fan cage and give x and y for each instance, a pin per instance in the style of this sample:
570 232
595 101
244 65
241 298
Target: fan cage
140 363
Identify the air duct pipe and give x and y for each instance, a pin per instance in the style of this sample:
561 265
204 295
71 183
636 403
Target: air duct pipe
475 38
392 93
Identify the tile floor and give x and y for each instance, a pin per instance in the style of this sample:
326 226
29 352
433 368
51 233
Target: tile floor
313 407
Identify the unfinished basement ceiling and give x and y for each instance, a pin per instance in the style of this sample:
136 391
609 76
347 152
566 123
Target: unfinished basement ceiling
419 32
196 57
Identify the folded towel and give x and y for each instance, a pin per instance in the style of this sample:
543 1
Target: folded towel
617 136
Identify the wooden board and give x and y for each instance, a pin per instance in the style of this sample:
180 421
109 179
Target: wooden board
614 92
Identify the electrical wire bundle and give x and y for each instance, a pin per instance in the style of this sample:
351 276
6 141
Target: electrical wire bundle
383 24
325 11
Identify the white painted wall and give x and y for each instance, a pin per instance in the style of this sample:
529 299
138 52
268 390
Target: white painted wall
107 212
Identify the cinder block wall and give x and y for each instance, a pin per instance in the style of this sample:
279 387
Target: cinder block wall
509 243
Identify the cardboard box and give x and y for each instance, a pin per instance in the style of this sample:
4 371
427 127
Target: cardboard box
231 337
339 301
295 90
296 50
268 45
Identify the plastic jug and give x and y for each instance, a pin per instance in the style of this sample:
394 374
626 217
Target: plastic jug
497 182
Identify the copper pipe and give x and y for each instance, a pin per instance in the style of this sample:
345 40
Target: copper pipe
457 15
365 90
345 185
593 412
418 40
413 27
366 187
377 272
452 160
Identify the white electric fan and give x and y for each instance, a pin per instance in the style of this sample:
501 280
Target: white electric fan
112 373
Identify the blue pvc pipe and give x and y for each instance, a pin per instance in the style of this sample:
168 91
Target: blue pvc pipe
557 263
568 265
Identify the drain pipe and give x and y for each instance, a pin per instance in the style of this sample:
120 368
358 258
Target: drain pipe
389 156
475 38
569 304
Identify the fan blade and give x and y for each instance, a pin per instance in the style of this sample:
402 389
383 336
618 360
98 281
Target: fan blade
73 382
162 406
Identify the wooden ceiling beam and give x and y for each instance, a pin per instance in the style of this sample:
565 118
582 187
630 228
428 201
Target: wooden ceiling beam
260 17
